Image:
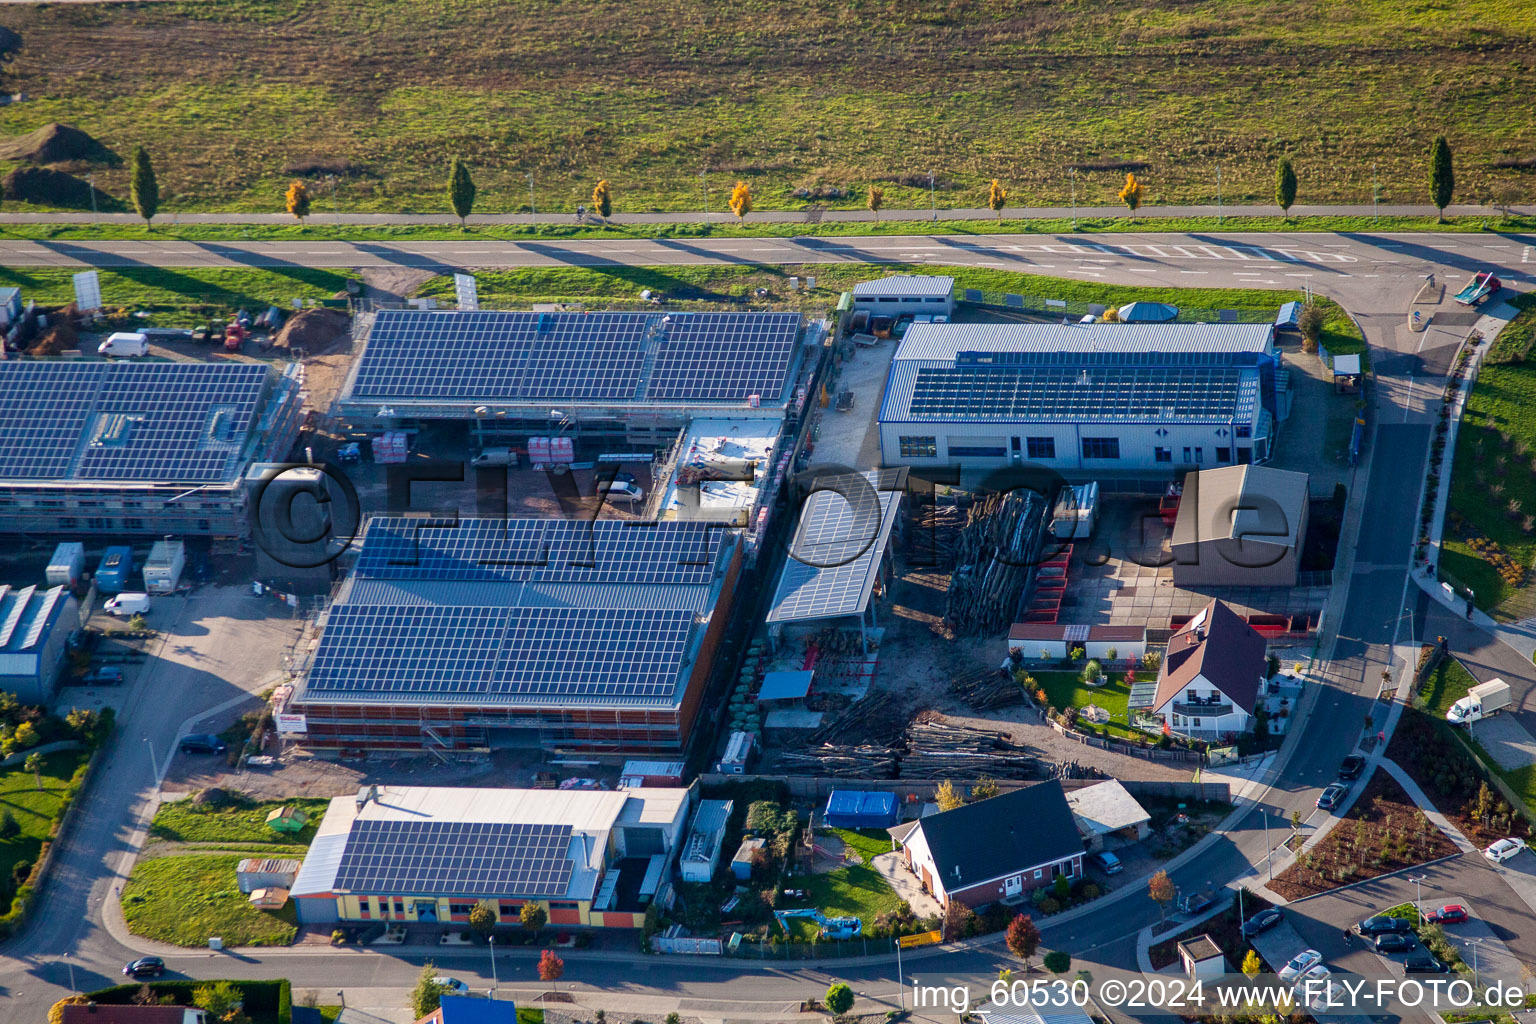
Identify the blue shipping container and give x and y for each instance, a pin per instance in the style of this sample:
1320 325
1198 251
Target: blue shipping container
115 569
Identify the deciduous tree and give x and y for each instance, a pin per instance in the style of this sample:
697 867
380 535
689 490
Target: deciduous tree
532 916
1442 178
946 797
874 201
1132 193
1252 965
34 764
482 917
219 998
1023 938
1160 888
839 998
10 828
461 190
984 788
297 199
427 994
1310 323
1285 186
551 967
741 200
602 199
143 189
997 198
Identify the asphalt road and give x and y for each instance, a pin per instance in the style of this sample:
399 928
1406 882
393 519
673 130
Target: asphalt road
1374 276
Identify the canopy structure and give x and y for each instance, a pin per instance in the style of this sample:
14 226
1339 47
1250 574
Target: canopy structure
1148 312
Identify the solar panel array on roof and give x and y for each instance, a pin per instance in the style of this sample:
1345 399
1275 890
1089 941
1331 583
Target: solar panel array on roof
509 655
834 556
451 858
171 422
1103 393
590 357
576 551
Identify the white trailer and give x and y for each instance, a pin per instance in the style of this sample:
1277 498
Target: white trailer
162 570
66 565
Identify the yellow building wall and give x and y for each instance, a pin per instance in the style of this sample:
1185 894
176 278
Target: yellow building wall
351 908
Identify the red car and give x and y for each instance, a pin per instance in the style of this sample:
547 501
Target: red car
1452 913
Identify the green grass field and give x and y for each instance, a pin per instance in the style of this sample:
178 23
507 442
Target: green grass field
32 808
1493 486
737 285
165 289
234 98
1066 689
856 890
186 898
243 825
1447 684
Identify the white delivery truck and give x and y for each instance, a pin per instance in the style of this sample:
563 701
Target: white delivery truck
1482 701
124 344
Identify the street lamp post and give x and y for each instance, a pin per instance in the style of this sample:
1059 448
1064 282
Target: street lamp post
533 213
1375 196
495 982
1269 851
1218 194
1418 900
154 765
704 188
1475 981
1074 198
933 197
901 982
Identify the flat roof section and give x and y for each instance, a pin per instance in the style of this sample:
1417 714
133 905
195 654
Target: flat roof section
721 470
917 285
835 556
157 422
946 342
604 358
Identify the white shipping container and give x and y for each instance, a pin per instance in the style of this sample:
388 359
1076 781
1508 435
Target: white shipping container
66 565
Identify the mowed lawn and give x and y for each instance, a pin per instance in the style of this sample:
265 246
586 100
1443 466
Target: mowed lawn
856 890
184 899
1493 486
33 808
243 824
1066 689
170 288
234 98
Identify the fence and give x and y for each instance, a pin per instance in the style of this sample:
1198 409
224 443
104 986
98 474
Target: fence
817 788
687 944
1076 308
1147 753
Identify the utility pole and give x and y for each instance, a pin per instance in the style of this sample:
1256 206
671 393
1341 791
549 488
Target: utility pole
1074 198
533 214
90 183
1375 196
933 197
1218 193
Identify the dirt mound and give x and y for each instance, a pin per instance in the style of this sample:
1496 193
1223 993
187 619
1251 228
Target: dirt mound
54 188
56 143
60 337
316 331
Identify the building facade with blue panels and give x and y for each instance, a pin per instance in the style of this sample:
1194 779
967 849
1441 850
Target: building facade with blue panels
145 448
1085 400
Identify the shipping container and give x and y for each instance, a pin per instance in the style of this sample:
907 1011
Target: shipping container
66 565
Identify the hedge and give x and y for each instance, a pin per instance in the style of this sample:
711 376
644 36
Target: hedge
266 1002
16 916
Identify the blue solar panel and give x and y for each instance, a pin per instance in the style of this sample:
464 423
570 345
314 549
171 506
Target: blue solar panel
172 422
834 556
613 357
454 858
553 550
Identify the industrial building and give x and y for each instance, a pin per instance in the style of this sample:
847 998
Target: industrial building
428 855
143 448
1083 399
1240 526
594 637
906 294
635 377
34 637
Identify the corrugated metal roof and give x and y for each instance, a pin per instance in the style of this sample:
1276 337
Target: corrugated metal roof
924 285
942 342
836 553
318 875
434 593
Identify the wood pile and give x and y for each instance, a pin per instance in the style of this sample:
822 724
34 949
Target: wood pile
994 562
934 526
874 716
987 689
944 750
864 761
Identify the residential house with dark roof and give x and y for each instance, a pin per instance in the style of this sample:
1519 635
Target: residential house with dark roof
1212 676
996 849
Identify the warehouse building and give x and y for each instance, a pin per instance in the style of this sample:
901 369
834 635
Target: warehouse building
145 448
428 855
34 637
636 377
1083 399
595 637
900 294
1241 526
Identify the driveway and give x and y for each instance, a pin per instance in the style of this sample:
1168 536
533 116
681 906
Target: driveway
895 871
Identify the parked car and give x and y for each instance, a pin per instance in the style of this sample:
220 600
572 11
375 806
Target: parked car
1351 767
1332 796
621 490
1381 924
1263 921
1321 995
201 743
145 967
1300 963
1423 963
1395 942
1451 913
452 986
1317 972
1108 863
106 675
1504 849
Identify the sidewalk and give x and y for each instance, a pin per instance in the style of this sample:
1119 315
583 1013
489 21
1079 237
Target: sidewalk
567 217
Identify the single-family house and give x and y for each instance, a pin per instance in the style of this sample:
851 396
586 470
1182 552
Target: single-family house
1107 811
1211 676
996 849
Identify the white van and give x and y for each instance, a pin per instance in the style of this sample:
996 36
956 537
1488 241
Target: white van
494 457
127 604
124 344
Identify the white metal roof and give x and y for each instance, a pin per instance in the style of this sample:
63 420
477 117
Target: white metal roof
1105 807
942 342
923 285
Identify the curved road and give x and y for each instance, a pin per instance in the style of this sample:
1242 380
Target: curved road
1374 276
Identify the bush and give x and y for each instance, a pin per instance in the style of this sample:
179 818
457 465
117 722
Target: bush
338 936
839 998
1049 905
1091 891
1057 961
